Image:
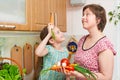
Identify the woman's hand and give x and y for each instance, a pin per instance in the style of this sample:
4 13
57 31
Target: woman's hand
63 70
75 73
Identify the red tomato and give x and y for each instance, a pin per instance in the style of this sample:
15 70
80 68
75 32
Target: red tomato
65 62
70 68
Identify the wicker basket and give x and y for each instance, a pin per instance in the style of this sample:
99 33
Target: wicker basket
20 68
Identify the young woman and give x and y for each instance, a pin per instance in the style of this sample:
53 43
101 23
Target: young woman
95 51
52 52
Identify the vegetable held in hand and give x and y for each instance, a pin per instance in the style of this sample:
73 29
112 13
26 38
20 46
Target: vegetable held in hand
87 73
52 20
53 34
71 67
54 68
64 62
57 68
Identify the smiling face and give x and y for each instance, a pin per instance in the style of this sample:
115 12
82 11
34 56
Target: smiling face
89 19
94 15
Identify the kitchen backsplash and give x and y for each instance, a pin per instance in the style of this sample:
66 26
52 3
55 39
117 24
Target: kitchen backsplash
6 43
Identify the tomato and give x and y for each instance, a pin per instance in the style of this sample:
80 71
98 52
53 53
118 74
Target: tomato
70 68
65 62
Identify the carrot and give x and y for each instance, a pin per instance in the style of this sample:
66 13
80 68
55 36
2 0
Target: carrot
57 68
52 20
54 68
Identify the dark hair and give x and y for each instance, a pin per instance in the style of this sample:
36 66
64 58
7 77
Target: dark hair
44 33
99 12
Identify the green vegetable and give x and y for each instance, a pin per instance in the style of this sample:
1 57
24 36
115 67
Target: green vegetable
1 78
87 73
53 35
5 74
10 72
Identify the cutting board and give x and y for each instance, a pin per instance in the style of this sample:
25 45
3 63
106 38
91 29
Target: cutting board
38 62
27 55
16 54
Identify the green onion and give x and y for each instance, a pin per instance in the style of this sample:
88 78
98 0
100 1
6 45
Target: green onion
87 73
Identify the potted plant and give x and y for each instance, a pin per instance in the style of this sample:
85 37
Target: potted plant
115 15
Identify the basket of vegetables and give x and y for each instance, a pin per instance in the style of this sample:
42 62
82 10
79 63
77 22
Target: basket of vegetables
9 71
71 67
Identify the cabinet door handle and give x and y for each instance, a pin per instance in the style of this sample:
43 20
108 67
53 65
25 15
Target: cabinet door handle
7 27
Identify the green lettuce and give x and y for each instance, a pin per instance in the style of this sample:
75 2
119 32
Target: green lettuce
10 72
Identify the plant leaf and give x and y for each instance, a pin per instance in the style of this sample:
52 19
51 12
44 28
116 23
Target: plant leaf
110 19
115 22
110 13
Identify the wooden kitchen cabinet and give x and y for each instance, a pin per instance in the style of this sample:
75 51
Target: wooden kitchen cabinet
12 12
37 15
41 10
